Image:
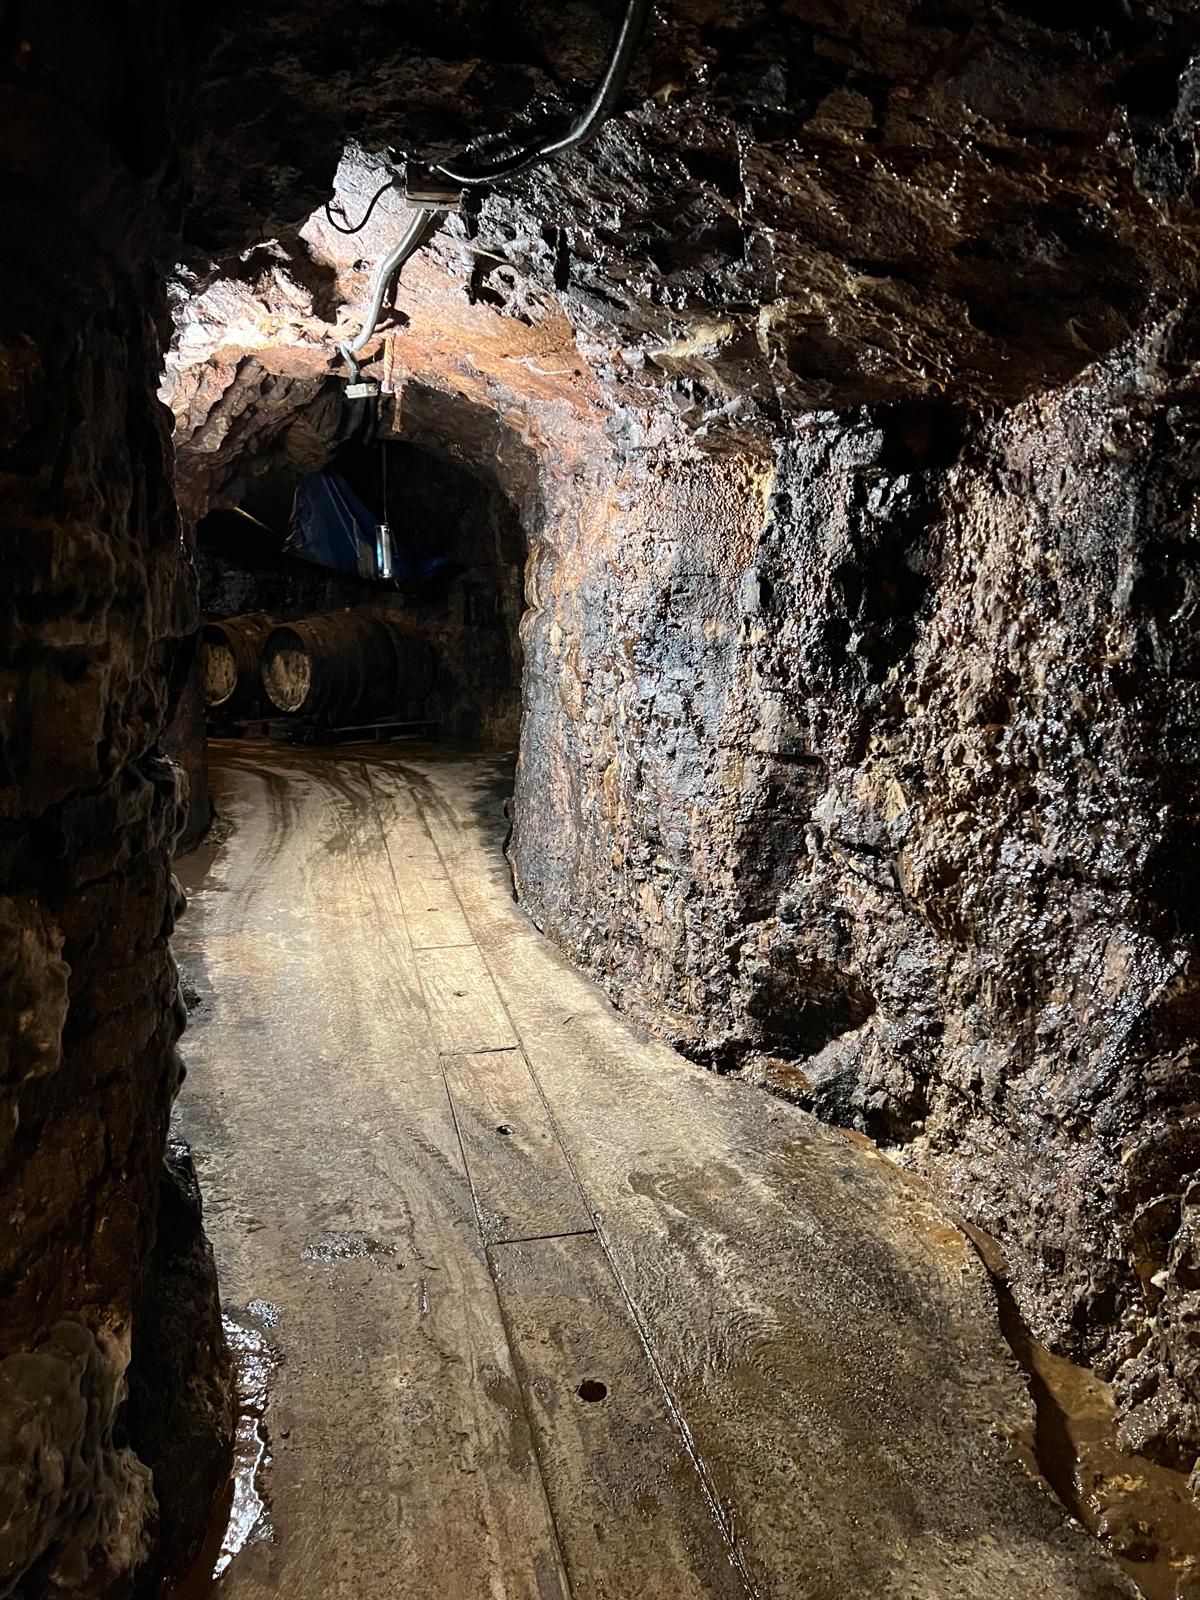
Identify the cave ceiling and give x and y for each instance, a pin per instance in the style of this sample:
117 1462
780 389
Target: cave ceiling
799 206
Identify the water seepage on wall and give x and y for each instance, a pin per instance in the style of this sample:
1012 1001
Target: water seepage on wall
106 1283
867 767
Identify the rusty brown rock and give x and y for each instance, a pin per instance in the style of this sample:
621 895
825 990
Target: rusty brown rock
844 393
848 407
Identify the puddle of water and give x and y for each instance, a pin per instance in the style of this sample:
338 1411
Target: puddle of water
260 1311
1144 1514
241 1516
194 869
350 1246
254 1362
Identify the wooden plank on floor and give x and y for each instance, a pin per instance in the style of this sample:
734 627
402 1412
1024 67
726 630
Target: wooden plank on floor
828 1338
296 924
402 1461
338 1204
464 1008
629 1507
431 909
524 1188
408 840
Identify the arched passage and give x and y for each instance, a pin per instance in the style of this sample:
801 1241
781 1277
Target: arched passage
844 387
457 539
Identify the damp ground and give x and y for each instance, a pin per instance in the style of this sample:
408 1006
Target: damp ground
531 1307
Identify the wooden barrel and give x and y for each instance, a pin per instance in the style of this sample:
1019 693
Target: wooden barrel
345 668
230 656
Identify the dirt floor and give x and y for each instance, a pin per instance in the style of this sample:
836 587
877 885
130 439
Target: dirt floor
526 1306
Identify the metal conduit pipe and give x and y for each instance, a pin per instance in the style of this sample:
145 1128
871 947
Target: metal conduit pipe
607 93
424 223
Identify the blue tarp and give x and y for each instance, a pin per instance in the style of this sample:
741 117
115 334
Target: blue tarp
331 526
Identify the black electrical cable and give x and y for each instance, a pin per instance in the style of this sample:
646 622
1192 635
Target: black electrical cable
608 92
358 226
427 217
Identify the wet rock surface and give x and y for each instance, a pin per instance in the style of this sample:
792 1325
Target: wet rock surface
181 1409
805 205
866 753
79 1509
845 392
95 604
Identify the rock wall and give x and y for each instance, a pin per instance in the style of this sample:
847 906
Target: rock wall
185 743
96 599
868 769
858 750
842 766
850 363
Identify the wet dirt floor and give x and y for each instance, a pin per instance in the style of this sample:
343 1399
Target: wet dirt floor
527 1306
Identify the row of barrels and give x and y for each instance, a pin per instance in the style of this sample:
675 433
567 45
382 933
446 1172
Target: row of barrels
344 667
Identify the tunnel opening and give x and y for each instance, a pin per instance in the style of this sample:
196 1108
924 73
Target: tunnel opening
460 596
838 628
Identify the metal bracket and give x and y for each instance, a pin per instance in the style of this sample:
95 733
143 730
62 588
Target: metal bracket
424 187
364 389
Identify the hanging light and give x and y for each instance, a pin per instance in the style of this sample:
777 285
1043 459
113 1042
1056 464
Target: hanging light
383 551
383 532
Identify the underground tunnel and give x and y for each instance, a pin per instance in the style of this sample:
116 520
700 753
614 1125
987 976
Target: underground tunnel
598 754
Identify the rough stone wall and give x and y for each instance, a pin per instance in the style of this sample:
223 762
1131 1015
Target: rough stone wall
842 765
185 742
826 202
870 770
857 751
96 596
856 742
